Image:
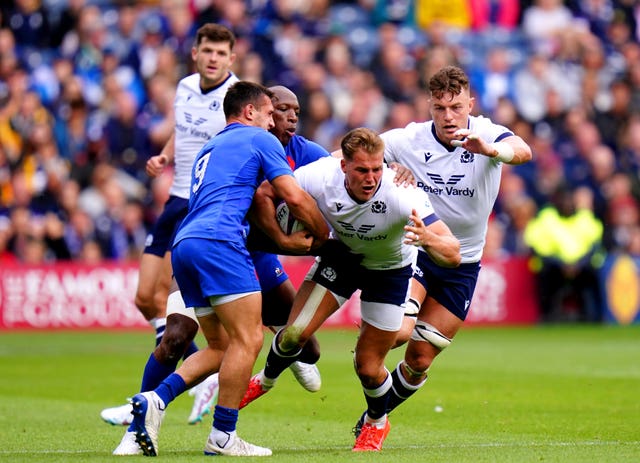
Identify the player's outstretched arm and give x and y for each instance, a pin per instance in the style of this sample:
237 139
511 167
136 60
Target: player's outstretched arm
436 239
510 150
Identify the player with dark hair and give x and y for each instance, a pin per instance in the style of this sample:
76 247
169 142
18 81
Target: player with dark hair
198 117
214 270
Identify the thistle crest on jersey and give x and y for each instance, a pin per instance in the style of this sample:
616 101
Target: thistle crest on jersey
378 207
467 157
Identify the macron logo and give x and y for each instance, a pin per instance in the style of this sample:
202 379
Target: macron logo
339 207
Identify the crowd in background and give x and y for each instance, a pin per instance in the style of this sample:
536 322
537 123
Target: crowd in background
87 87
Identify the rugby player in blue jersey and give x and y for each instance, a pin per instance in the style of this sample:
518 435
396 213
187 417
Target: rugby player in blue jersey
214 270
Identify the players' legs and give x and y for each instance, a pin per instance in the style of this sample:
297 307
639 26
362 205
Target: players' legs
241 320
312 306
151 267
276 307
435 328
418 294
371 349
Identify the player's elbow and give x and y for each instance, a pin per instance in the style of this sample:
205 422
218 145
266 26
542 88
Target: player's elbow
297 199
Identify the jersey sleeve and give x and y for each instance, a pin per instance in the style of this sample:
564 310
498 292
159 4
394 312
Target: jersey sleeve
489 131
273 158
422 204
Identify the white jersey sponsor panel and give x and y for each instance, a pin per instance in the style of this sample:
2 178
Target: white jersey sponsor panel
462 185
199 116
380 220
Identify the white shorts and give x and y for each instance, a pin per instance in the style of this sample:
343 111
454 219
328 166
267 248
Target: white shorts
385 317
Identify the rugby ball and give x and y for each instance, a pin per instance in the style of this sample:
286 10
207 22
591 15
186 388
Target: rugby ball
288 223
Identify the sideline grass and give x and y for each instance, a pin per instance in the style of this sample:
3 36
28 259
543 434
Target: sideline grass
531 394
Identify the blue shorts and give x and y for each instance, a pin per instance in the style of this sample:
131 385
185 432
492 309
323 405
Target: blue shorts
205 268
160 239
344 277
270 271
451 287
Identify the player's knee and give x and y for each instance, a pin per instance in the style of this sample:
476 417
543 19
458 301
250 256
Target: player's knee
178 335
424 332
144 302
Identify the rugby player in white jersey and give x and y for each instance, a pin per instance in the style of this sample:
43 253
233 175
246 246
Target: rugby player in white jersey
375 221
457 160
198 117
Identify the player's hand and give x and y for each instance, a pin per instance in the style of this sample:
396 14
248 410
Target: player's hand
299 242
404 176
470 141
415 231
155 165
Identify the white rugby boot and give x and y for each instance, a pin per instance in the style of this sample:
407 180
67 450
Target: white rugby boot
234 446
118 416
148 412
307 375
128 445
204 395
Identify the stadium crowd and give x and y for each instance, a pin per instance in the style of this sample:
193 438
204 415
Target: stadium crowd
87 88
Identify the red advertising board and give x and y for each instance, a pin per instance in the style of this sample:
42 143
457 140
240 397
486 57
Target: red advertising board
73 296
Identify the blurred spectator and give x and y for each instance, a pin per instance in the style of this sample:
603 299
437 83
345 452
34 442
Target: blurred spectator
494 79
319 123
452 13
612 119
518 211
67 21
156 117
545 24
127 142
565 238
91 253
29 21
534 81
494 241
6 256
12 121
494 14
622 215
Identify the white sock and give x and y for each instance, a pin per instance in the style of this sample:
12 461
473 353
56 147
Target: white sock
267 383
378 423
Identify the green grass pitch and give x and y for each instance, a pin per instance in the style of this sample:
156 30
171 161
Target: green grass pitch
564 393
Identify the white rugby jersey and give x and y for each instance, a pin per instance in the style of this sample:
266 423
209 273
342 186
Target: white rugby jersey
461 185
374 229
198 117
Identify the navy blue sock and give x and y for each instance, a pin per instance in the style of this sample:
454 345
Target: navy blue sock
171 388
191 349
400 390
377 398
225 419
154 373
278 361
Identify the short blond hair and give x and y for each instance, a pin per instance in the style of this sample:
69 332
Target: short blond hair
361 138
